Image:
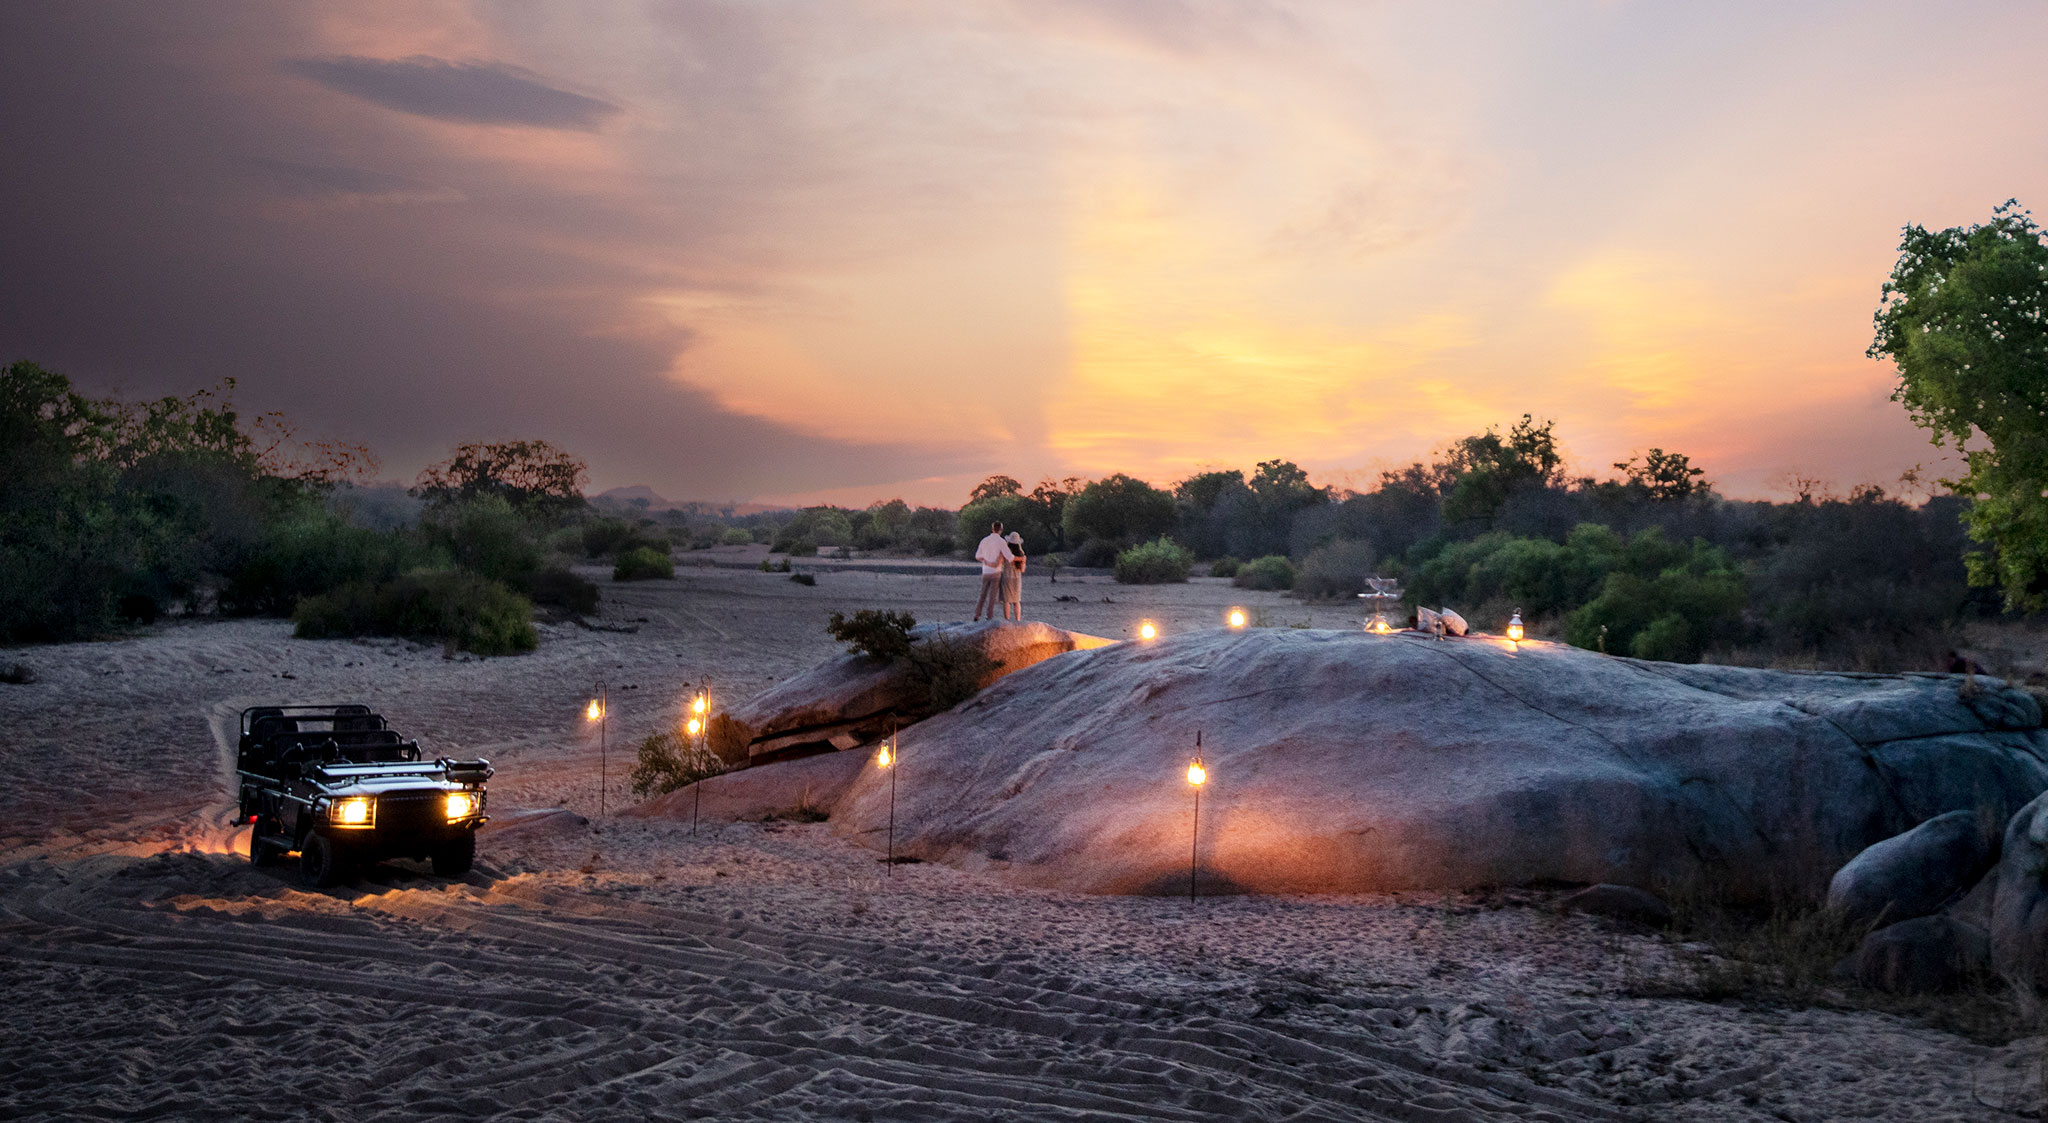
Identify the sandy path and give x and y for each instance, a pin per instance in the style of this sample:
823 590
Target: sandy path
629 970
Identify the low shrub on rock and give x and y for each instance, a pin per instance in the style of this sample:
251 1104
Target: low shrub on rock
469 612
882 634
736 536
643 563
671 760
1270 572
1159 562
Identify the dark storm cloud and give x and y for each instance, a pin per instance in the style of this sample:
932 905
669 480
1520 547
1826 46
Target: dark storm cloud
485 93
170 228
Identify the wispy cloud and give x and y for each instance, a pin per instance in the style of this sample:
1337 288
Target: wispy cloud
485 93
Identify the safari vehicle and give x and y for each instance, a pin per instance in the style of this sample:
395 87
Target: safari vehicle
335 784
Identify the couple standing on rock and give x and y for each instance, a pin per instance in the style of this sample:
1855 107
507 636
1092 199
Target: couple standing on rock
1002 574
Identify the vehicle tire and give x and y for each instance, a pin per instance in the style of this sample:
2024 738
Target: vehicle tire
453 859
321 862
260 854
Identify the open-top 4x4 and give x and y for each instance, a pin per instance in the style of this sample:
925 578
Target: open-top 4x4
337 785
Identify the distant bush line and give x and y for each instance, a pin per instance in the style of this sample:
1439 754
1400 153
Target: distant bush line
116 512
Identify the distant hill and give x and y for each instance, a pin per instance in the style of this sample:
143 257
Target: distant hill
640 497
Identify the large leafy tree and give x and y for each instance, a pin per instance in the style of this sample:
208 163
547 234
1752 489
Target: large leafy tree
535 477
1965 318
1487 468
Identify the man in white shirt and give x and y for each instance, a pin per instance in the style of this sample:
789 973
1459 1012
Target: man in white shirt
993 553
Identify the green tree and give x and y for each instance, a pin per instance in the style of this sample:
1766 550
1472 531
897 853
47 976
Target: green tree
534 476
1118 509
1664 475
994 486
1965 317
1486 468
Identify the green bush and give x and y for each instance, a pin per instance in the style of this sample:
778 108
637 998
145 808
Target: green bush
1225 566
311 553
1158 562
881 634
486 536
814 527
736 536
1334 570
1271 572
609 538
671 760
557 587
643 563
1672 616
470 612
953 671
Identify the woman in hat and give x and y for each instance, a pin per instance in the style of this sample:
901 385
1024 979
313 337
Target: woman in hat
1013 579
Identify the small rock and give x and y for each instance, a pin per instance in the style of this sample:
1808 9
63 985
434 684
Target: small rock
1925 955
1621 902
17 674
1912 874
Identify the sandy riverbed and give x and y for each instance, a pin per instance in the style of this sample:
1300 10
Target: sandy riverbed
628 969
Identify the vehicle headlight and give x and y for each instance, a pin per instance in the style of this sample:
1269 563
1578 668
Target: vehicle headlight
461 805
355 811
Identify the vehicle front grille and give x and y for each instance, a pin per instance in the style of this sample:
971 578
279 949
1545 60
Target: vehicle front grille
409 811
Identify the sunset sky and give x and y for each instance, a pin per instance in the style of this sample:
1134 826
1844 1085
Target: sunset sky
855 250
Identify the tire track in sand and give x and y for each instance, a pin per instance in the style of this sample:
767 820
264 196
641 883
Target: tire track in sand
517 1000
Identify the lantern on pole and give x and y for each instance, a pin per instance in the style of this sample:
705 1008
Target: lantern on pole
699 729
1148 631
887 760
1235 619
1515 629
1197 776
597 713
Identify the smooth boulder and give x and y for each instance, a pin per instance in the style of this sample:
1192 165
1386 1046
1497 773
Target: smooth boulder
1347 762
854 699
1915 873
2019 901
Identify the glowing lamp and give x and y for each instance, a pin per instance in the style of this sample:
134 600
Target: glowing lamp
695 727
699 706
1236 618
461 805
351 812
1515 627
1197 775
594 711
886 759
1147 630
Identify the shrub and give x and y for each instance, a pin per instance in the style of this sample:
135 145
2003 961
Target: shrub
1225 567
1158 562
953 670
487 537
671 760
1672 616
1271 572
801 578
736 536
557 587
309 554
1096 553
1334 570
881 634
642 563
609 538
469 612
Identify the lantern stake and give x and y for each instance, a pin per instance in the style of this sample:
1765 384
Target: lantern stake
602 706
892 758
1196 775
